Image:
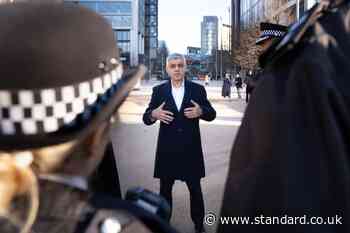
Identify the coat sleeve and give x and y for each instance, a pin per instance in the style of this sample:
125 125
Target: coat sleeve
209 112
147 119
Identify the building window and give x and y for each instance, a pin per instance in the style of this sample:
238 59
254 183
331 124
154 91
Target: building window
152 21
119 21
114 7
124 47
153 9
153 42
153 32
90 5
122 35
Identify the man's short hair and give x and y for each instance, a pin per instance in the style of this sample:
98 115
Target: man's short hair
175 56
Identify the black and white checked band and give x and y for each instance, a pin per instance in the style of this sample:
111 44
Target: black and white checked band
275 33
31 112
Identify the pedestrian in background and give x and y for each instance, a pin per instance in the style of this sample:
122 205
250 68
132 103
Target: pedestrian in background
179 105
238 84
226 86
207 80
251 81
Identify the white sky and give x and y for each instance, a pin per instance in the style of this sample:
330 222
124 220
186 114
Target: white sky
179 20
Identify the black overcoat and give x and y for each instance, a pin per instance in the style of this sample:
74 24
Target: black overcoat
291 156
226 88
179 151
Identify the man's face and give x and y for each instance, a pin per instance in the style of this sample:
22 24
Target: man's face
176 69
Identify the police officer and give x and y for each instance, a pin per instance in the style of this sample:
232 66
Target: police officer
290 159
61 83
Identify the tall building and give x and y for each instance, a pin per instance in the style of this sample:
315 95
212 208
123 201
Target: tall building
127 18
209 34
193 51
151 35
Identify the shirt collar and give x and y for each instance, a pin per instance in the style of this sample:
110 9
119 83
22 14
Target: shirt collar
181 86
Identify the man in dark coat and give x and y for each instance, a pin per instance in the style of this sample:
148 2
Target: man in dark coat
291 155
179 105
270 34
238 84
226 86
250 85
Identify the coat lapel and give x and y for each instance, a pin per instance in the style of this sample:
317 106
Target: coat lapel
186 100
170 102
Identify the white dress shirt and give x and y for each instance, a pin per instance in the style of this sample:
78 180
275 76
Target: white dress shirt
178 94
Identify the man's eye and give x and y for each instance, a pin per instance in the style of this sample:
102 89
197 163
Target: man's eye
178 65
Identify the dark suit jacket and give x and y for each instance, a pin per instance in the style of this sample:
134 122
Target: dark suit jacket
179 151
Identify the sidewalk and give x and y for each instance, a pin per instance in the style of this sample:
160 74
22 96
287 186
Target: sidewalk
213 90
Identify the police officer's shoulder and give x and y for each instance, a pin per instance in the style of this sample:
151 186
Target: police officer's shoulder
110 221
116 211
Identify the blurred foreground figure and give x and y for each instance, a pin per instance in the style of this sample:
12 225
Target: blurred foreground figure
291 157
61 84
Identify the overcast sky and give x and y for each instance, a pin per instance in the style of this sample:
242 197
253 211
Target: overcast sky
179 20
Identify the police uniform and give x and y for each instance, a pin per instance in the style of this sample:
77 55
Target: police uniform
61 80
268 31
296 166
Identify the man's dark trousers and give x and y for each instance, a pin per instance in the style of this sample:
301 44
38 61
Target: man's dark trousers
196 198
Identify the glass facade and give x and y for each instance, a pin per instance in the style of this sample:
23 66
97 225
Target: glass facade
151 29
124 46
254 11
129 23
118 21
119 14
209 34
122 35
108 7
153 42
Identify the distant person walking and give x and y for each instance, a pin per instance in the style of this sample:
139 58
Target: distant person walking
252 81
226 87
207 80
238 84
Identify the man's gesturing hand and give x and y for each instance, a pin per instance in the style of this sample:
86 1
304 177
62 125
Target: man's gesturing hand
162 115
193 112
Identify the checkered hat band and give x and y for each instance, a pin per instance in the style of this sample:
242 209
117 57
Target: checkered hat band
31 112
275 33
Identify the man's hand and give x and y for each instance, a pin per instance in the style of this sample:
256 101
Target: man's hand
193 112
162 115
